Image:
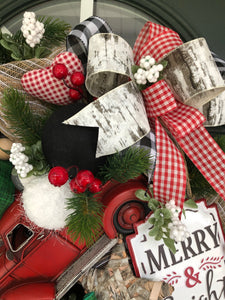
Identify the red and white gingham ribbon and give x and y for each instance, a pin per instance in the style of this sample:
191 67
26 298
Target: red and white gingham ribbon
184 122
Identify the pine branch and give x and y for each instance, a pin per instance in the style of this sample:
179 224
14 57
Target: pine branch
15 47
85 222
199 185
56 31
126 166
22 121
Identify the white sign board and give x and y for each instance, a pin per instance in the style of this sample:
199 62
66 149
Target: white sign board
197 269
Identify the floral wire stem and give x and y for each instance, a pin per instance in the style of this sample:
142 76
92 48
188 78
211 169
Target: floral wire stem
85 97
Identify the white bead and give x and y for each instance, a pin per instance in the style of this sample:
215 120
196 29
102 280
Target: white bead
156 75
146 65
152 61
170 225
159 67
140 71
32 27
153 79
137 76
172 202
149 78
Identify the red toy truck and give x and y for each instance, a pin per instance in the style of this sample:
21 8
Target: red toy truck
40 264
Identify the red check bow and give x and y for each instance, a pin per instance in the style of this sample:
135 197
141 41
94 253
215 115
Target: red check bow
184 123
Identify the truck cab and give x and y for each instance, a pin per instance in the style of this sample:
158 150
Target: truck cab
33 258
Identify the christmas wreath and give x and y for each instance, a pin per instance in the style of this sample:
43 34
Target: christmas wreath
99 111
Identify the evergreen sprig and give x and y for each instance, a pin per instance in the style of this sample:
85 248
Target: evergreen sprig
22 121
56 31
126 165
37 159
199 185
160 219
85 222
14 46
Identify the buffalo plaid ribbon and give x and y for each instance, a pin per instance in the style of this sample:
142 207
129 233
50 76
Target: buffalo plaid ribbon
185 123
78 39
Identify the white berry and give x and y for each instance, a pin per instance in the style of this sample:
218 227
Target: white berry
32 29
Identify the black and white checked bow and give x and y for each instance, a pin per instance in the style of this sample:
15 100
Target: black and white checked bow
220 64
78 39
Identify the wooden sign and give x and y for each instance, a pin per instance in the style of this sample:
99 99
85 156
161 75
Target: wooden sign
197 269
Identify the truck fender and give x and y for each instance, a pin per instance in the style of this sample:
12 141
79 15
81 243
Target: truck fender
123 208
30 291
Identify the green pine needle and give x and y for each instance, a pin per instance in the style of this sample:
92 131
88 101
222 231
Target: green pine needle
14 47
56 31
85 222
22 121
128 165
199 185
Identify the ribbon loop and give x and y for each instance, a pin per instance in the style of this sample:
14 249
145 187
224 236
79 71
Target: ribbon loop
183 120
159 99
169 181
78 39
155 40
110 59
192 75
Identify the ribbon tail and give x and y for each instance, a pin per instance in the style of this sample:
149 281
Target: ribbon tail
207 156
170 172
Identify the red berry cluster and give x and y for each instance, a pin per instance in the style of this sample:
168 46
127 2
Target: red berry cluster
60 71
85 180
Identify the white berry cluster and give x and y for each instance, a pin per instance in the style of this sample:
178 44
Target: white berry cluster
20 160
149 71
32 29
178 230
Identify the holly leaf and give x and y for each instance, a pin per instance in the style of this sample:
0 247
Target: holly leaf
5 44
134 68
190 203
142 195
170 244
153 204
27 51
164 63
159 222
154 231
8 38
166 213
16 57
152 220
159 235
42 52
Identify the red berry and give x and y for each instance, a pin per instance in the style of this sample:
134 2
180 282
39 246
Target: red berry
58 176
60 71
76 188
74 94
77 78
96 186
84 178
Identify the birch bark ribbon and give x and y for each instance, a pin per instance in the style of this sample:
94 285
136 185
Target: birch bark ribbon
119 112
193 79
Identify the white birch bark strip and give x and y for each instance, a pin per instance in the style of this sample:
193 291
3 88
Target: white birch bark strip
214 111
192 73
110 59
120 115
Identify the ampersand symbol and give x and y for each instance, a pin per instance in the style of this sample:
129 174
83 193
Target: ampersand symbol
189 273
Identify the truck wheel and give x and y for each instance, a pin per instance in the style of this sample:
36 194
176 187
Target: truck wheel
128 214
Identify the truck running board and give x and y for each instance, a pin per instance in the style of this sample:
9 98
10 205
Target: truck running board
72 274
